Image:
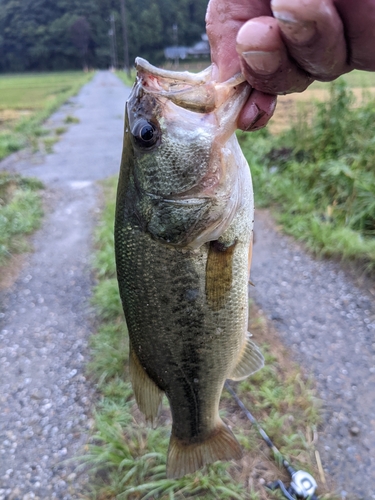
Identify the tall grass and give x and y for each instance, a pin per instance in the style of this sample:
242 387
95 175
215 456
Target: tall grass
321 175
126 78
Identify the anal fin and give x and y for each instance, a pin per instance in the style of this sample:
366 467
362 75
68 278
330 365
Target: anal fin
147 394
250 361
186 458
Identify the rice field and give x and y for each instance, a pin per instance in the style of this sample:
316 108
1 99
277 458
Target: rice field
26 101
32 91
290 106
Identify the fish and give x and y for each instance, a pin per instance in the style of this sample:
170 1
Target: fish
183 242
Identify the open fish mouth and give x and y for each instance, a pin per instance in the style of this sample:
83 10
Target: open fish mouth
194 91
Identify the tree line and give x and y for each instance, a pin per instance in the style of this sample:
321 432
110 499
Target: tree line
39 35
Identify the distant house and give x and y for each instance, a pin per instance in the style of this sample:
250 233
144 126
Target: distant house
201 48
176 52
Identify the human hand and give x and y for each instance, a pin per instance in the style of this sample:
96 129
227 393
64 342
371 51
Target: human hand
281 46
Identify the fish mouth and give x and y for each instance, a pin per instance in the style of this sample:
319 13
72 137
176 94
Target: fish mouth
195 91
168 77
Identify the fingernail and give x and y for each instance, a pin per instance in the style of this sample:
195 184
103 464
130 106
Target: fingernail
258 124
253 115
263 63
295 29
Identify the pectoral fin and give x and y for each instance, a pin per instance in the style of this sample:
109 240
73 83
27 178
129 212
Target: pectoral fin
219 274
147 394
250 361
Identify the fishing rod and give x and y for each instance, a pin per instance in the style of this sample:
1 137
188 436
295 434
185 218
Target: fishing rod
302 485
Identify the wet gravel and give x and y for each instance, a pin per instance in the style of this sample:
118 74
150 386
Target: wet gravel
45 317
327 319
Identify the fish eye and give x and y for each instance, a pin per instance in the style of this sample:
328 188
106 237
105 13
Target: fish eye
145 133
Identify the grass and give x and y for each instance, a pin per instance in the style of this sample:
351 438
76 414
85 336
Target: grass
30 91
49 142
20 213
71 119
127 460
354 79
60 130
126 78
27 100
292 106
319 175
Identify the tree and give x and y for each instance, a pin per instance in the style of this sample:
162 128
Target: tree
63 34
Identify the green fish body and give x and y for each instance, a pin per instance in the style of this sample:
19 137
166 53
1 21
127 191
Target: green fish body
183 235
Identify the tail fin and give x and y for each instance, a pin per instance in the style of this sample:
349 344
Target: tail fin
187 458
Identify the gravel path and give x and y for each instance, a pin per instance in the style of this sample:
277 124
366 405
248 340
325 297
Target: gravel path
328 322
45 318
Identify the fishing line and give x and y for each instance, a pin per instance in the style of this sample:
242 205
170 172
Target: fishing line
302 485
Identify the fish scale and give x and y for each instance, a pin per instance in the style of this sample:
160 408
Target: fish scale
182 258
179 179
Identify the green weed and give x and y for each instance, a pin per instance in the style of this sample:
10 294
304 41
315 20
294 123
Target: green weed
48 144
126 78
321 177
60 130
20 213
71 119
9 143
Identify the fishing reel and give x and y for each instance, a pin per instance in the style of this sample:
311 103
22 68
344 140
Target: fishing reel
302 485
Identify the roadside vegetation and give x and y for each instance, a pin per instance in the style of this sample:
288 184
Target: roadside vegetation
127 78
318 175
20 213
27 100
126 459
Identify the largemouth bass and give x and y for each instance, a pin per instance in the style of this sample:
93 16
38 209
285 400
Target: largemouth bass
183 237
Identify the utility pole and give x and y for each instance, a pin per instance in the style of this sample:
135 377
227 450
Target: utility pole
112 35
175 41
125 37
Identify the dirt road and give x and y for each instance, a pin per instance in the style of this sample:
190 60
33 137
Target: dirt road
45 321
45 317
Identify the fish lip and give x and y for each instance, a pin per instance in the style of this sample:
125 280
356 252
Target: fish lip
204 76
198 92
